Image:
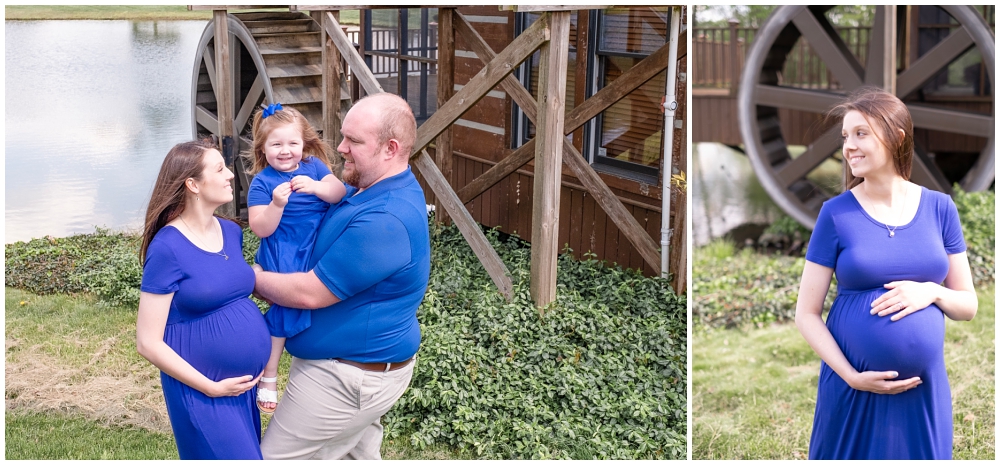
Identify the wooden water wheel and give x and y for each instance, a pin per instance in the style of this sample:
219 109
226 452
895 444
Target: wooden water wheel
765 98
276 57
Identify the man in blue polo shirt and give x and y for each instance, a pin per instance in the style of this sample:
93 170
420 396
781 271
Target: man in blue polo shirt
369 271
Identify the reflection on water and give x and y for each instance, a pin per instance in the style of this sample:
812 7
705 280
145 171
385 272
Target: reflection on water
91 108
726 193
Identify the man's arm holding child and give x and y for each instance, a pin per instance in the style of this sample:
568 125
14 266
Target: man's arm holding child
330 189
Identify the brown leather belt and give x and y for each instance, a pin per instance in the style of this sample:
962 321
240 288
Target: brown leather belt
383 367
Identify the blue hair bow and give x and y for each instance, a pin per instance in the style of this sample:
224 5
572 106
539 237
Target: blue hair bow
271 109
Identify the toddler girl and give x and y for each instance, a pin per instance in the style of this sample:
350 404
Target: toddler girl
287 199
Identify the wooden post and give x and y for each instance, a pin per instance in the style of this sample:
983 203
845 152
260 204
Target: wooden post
734 58
224 99
889 42
548 159
446 88
331 86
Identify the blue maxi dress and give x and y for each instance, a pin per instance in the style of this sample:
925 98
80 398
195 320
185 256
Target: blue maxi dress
287 249
915 424
214 326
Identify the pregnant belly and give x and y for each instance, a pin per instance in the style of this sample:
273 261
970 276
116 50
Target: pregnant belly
911 345
227 343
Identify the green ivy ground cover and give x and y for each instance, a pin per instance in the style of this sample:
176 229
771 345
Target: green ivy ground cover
601 375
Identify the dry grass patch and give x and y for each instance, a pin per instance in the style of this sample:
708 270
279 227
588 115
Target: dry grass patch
75 355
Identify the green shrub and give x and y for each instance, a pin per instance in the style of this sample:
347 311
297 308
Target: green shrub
599 373
746 289
977 211
104 263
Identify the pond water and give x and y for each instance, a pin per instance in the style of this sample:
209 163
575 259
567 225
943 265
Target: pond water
91 109
725 193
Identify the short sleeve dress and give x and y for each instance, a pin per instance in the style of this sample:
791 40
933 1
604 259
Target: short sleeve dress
214 326
915 424
287 249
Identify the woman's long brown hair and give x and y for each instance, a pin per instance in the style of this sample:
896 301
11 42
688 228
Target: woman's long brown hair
886 114
183 162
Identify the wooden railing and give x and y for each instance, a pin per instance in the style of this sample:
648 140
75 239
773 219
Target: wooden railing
720 60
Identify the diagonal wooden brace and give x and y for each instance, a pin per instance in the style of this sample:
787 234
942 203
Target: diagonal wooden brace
495 71
425 164
632 79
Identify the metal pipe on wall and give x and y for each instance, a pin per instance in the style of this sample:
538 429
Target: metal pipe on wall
669 110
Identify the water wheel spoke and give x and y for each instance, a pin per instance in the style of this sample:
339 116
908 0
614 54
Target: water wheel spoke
255 95
796 99
209 58
926 173
952 121
830 47
206 119
817 152
933 61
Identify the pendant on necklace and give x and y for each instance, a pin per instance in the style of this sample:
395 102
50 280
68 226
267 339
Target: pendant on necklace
892 233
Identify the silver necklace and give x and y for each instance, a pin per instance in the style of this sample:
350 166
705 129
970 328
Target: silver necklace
892 232
221 253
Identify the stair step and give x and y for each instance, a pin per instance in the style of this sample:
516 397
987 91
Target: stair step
293 40
293 70
271 15
281 26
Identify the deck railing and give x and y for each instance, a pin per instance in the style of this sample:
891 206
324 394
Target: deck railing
720 59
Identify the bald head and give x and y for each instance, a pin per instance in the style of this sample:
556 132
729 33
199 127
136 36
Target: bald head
394 116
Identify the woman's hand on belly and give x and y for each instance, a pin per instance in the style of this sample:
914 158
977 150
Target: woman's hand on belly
232 386
904 298
882 382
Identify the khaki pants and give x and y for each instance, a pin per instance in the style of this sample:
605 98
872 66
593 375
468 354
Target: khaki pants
331 410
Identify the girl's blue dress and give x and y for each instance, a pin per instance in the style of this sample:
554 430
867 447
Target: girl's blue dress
214 326
287 249
915 424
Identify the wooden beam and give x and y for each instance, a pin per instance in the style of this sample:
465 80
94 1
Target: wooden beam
206 119
470 229
224 97
889 55
357 7
445 89
501 170
633 78
607 200
246 109
432 175
347 50
548 159
544 8
626 83
231 7
510 83
331 83
505 62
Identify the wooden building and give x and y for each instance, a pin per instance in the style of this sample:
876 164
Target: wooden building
478 78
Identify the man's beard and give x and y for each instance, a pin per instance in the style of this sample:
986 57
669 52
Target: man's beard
353 178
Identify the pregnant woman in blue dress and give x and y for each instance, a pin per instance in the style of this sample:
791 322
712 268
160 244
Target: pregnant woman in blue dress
196 322
883 389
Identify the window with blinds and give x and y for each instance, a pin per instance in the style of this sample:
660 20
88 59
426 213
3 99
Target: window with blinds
630 132
524 128
625 139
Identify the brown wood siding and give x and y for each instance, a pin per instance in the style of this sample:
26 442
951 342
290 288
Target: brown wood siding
583 226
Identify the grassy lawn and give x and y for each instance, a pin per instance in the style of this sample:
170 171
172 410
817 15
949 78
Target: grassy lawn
122 12
767 413
75 388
